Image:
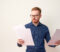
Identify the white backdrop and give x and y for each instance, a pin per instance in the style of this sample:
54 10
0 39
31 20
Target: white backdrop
14 12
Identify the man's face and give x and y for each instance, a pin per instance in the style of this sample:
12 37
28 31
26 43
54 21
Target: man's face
35 16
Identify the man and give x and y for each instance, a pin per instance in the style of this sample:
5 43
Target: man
39 32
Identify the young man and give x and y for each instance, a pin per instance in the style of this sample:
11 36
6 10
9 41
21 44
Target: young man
39 32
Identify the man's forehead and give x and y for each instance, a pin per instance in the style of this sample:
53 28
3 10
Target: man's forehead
35 12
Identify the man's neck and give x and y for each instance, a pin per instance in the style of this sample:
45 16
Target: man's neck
35 23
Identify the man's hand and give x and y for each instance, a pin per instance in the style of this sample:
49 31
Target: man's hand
20 41
57 42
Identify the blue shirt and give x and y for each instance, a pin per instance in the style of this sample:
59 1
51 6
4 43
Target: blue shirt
39 33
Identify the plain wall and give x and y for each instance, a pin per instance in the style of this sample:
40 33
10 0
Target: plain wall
15 12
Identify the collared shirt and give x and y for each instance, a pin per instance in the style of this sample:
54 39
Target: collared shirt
39 34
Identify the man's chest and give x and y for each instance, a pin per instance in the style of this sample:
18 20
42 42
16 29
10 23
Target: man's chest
37 33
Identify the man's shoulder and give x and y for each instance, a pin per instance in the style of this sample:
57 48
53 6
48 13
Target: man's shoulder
27 25
44 26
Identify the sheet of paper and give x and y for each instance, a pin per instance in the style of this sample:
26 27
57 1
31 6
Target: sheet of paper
55 37
25 34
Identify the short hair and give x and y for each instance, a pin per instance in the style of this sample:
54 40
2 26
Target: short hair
36 8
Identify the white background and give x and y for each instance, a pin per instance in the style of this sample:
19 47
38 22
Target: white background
15 12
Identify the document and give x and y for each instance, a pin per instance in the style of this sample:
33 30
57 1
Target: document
55 37
24 34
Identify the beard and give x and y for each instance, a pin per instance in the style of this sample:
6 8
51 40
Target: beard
35 21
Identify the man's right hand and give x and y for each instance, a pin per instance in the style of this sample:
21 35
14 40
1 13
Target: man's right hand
20 41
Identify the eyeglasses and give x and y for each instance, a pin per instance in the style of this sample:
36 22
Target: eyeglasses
34 15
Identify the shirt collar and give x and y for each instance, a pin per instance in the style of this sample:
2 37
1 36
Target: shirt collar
34 25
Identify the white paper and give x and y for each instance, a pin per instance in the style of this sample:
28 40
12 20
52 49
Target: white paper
55 37
25 34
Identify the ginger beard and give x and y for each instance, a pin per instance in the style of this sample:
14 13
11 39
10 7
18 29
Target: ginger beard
35 19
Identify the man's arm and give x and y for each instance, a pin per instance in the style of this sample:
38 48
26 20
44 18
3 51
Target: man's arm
48 37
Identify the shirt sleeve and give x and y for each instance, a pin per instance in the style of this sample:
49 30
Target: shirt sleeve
48 37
